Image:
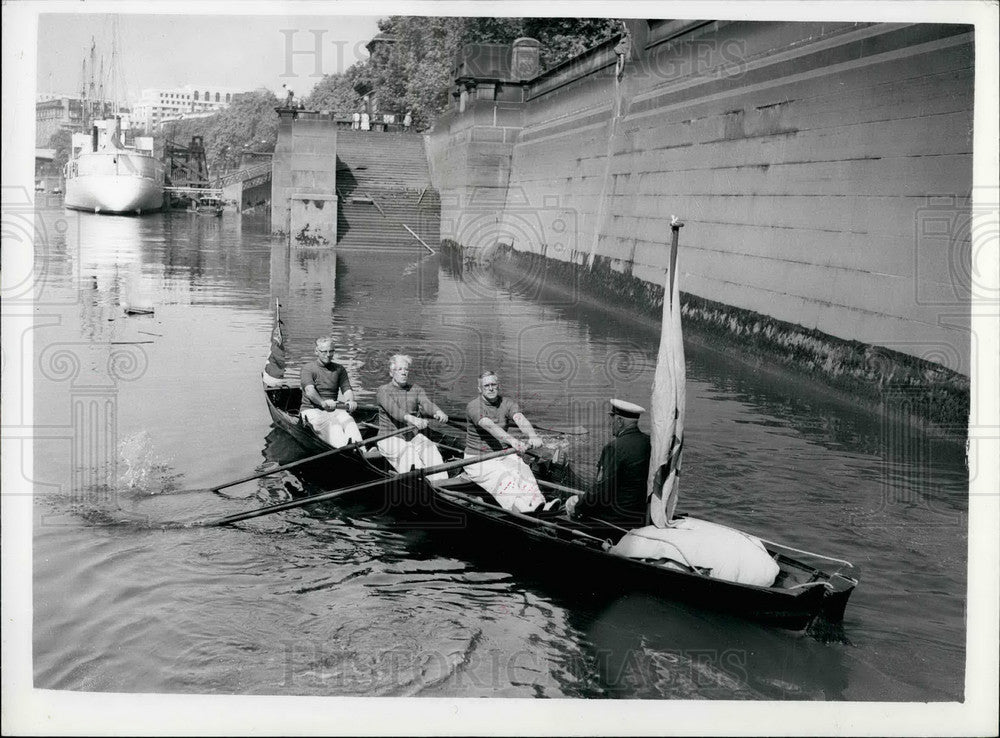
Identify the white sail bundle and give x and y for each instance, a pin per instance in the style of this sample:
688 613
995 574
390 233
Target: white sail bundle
668 399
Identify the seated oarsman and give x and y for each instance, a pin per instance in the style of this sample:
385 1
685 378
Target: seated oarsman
325 383
401 403
618 495
507 478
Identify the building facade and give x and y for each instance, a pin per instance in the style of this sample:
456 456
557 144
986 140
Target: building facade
160 104
64 112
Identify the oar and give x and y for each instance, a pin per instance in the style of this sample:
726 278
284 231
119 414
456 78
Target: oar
334 494
325 454
539 454
517 514
578 430
368 408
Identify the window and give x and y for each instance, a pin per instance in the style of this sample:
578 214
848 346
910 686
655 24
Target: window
227 97
196 95
216 97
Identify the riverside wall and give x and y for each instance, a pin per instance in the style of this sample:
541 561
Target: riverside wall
823 171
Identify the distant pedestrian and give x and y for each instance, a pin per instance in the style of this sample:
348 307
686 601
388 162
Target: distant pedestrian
407 121
365 122
356 121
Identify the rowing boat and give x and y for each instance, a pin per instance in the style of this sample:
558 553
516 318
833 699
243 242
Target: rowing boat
579 549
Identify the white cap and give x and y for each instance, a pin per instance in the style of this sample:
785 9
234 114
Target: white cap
626 409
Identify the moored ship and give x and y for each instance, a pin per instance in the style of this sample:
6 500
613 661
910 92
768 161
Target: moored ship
109 174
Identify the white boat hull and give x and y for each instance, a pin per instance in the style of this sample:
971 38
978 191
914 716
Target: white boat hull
113 193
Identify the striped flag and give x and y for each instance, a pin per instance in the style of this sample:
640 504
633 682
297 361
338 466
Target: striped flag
276 359
667 402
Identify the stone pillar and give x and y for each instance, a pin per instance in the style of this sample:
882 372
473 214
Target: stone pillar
304 178
524 64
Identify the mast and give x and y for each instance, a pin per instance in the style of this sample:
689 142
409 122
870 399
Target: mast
668 399
100 86
116 103
91 91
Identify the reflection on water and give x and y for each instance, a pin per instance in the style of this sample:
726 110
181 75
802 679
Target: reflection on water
144 413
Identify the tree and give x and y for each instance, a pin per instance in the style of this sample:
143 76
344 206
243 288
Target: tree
417 74
341 93
249 123
62 141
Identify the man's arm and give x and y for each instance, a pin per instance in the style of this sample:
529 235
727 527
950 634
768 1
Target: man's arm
427 407
522 422
345 392
501 435
598 498
315 399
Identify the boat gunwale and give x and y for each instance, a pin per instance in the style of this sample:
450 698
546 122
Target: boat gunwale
808 598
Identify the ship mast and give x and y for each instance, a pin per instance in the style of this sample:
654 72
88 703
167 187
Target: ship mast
116 103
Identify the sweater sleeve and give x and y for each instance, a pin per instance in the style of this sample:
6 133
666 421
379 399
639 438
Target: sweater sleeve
424 403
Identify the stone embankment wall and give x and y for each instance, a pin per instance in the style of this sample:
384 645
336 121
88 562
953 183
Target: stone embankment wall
823 170
304 179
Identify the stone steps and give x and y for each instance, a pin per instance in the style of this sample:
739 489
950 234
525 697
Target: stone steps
379 219
383 182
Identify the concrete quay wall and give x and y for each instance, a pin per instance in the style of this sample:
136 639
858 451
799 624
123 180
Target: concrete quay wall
823 171
304 179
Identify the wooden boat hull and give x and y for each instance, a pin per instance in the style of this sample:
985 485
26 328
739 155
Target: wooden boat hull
576 549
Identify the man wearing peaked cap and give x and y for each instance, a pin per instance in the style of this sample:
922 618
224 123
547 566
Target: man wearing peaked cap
618 495
626 409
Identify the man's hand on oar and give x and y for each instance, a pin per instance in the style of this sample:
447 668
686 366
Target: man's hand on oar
577 430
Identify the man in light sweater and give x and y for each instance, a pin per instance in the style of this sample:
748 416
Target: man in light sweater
401 403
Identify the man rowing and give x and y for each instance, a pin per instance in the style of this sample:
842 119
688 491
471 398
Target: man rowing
507 478
324 385
618 495
401 403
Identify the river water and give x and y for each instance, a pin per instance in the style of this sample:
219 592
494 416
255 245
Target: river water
137 415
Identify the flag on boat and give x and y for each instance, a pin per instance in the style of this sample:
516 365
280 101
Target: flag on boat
276 359
668 399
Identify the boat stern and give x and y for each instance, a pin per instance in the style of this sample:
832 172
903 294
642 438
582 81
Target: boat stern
838 592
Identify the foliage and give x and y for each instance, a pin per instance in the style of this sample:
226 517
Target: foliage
62 141
341 93
416 75
248 124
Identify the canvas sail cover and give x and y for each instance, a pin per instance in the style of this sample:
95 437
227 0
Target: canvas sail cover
667 411
277 358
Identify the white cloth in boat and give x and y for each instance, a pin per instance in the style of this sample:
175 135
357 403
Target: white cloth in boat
418 453
509 480
337 428
730 554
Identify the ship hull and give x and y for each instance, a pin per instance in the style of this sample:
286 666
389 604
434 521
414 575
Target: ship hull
114 182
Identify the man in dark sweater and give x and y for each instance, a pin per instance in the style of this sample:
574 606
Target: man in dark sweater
618 495
325 388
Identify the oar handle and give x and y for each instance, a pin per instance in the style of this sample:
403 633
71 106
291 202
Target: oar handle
333 494
366 408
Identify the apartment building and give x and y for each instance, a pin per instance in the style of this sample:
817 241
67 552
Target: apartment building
159 104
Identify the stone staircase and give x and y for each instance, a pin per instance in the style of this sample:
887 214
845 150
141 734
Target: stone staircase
384 192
